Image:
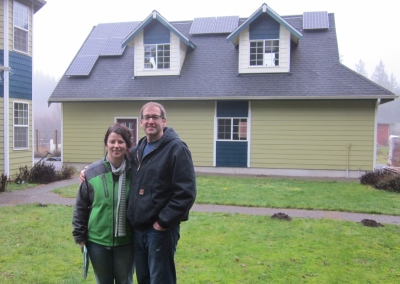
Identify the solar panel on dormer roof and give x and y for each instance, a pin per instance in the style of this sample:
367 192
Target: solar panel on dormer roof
105 40
315 20
214 25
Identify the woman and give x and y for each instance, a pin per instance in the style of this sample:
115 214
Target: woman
99 219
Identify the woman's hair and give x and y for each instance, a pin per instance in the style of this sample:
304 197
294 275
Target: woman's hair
160 106
122 130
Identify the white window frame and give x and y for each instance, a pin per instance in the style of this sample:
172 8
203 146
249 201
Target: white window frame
20 121
232 132
268 58
151 62
21 25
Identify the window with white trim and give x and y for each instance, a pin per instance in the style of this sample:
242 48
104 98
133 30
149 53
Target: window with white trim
232 128
157 56
21 125
21 27
264 53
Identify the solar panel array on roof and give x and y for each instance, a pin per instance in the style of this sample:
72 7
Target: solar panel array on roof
82 65
214 25
315 20
105 40
226 24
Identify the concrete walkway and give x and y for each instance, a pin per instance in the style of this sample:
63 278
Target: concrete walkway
42 194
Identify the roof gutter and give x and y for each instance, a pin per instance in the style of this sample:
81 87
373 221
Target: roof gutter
228 98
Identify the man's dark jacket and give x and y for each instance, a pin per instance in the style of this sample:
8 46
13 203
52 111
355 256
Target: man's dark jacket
163 184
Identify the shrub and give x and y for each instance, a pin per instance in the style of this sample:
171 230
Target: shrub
66 172
22 175
42 173
3 183
382 179
372 178
389 183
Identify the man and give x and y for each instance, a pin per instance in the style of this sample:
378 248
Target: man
163 190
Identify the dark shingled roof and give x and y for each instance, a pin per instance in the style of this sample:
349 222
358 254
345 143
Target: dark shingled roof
210 72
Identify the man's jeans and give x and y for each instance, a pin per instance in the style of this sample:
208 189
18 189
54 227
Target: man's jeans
111 263
154 255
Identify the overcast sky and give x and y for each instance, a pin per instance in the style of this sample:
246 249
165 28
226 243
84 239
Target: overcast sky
365 29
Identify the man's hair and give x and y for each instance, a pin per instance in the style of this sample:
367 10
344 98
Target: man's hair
160 106
122 130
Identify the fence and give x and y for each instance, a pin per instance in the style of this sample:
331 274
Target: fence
48 140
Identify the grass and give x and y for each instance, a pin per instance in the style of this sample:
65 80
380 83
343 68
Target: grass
296 193
225 248
36 246
287 193
12 186
67 191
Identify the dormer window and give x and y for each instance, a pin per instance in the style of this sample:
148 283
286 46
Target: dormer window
264 35
157 56
264 53
157 46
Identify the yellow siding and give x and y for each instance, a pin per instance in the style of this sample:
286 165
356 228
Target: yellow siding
283 134
312 135
139 58
194 123
2 25
2 136
284 54
84 125
19 158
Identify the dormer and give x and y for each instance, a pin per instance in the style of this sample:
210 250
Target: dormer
264 41
160 49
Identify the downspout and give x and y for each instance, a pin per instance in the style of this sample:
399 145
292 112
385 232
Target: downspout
378 102
6 93
348 157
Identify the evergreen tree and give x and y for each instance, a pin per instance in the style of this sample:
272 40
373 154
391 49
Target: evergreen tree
393 83
381 77
360 68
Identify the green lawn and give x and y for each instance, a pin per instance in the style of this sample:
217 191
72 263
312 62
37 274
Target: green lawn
288 193
296 193
36 246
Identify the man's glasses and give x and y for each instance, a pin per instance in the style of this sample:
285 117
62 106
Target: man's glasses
153 117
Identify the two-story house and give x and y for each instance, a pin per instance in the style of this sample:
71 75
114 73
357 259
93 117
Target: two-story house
260 95
16 21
